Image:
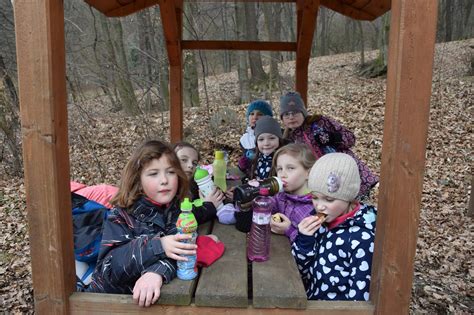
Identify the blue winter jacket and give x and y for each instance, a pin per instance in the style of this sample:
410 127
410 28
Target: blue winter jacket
336 264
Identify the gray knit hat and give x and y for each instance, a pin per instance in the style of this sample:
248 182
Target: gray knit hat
292 102
335 175
267 124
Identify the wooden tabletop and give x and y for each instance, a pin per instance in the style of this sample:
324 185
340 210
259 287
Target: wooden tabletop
232 281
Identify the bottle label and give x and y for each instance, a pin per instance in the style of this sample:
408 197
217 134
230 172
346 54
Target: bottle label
261 218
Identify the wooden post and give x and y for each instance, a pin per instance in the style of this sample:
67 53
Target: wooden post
307 11
411 49
39 27
171 12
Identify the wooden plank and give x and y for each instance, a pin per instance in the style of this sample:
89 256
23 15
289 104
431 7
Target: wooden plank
307 13
95 303
224 283
39 27
352 12
171 32
277 282
410 64
237 45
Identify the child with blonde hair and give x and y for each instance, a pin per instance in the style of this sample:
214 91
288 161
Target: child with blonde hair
292 164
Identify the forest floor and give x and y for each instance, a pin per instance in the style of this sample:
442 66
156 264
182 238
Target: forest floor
101 142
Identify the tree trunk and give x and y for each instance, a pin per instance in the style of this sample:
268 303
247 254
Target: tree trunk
448 20
362 52
227 60
190 80
244 89
124 83
9 118
163 71
272 13
258 77
323 26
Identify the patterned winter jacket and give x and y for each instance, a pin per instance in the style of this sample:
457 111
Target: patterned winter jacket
295 207
336 264
325 135
131 245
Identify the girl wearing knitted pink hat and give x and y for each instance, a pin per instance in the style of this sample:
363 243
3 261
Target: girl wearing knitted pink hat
323 134
335 243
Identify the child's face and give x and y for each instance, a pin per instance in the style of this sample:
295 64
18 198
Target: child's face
267 143
254 116
293 174
293 120
332 207
188 158
159 180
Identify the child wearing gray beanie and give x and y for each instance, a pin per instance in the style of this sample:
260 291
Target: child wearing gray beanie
335 243
323 134
268 138
255 110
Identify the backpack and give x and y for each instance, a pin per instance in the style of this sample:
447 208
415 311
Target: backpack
87 217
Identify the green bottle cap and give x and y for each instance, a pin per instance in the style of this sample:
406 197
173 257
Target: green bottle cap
186 205
219 155
198 202
200 173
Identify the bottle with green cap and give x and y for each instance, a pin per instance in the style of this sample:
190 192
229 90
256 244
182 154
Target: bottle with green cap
205 183
220 169
187 224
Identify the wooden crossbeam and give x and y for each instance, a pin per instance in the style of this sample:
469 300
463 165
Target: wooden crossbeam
237 45
307 11
348 10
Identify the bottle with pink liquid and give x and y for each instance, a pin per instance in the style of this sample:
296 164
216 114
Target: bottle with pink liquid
258 247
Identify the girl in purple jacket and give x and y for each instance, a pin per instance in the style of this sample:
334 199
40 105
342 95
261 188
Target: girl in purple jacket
292 164
323 134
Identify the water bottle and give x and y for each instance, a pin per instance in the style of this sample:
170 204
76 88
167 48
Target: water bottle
205 183
246 193
187 224
220 168
258 247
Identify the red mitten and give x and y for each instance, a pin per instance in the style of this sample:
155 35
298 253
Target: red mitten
208 251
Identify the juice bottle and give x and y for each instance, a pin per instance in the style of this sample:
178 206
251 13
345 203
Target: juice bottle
187 224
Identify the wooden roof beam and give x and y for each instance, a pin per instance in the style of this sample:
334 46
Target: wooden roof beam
237 45
307 11
171 30
348 10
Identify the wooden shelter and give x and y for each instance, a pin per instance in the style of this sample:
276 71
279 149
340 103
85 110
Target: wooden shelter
41 71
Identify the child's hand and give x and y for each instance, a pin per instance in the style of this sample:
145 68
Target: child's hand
216 197
309 225
280 227
147 289
229 194
174 248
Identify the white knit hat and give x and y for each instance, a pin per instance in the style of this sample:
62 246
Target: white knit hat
335 175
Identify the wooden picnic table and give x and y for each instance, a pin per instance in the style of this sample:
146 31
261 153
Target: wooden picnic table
234 282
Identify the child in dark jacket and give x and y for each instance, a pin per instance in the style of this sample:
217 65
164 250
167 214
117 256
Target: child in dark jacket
292 164
140 246
255 111
189 157
323 134
335 259
268 137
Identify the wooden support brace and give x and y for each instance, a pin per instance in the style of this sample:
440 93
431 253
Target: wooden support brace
39 27
411 50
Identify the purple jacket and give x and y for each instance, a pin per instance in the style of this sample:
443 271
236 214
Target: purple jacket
295 207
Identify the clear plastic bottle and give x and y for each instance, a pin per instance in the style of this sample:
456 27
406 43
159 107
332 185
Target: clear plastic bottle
220 169
187 224
258 247
205 183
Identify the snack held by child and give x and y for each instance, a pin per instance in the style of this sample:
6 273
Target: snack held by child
335 258
140 244
255 111
292 164
322 134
